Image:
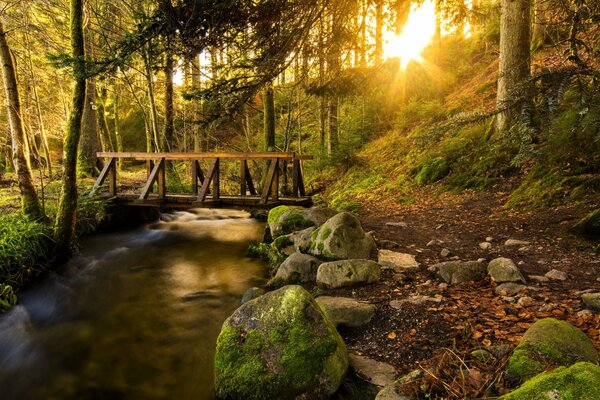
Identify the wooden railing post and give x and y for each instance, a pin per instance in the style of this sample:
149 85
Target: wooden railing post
149 167
109 170
197 174
161 179
298 183
271 183
216 181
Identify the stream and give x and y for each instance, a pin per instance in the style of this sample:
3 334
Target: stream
135 315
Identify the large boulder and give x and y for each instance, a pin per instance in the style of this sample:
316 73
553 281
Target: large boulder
580 381
340 238
301 239
298 268
504 270
589 225
283 220
342 273
548 344
344 311
454 272
279 346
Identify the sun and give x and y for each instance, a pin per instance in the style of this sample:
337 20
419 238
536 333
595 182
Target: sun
415 36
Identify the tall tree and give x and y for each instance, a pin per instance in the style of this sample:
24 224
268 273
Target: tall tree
269 118
514 69
29 200
64 228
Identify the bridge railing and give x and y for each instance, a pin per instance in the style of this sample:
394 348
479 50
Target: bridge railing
205 184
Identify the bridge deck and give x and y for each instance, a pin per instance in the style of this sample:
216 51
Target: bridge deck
206 187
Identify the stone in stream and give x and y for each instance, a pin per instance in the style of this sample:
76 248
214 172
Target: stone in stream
283 220
592 300
301 239
504 270
376 372
251 294
341 238
454 272
279 346
547 344
336 274
399 262
344 311
298 268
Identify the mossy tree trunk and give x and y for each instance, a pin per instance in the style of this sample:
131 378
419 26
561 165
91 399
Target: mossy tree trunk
515 27
29 199
269 118
107 144
64 229
89 143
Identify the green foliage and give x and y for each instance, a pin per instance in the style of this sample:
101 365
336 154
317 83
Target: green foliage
431 171
578 382
267 253
276 213
23 244
7 297
91 212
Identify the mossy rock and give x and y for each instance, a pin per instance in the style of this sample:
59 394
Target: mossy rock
283 220
340 238
279 346
589 225
548 344
581 381
432 171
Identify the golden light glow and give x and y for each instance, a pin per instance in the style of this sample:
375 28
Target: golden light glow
415 36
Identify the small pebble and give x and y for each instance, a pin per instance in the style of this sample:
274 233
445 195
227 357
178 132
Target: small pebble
547 307
525 301
508 299
445 252
485 245
556 275
443 286
489 239
584 313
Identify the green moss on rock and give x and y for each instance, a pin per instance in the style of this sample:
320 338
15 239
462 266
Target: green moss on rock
432 171
282 242
589 225
276 213
578 382
549 343
279 346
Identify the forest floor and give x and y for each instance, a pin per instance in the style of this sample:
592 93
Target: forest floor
458 319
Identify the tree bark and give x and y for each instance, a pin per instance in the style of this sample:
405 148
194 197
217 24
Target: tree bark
514 66
540 10
196 86
89 143
378 32
151 99
169 126
269 118
332 124
107 144
29 200
64 228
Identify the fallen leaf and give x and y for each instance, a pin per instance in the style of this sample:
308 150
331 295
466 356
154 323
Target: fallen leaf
392 335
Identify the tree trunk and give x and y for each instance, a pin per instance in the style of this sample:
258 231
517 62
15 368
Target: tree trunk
378 32
107 144
64 228
514 59
197 86
29 200
540 10
89 144
332 124
151 99
269 118
169 127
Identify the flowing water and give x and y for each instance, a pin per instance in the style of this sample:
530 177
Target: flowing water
135 315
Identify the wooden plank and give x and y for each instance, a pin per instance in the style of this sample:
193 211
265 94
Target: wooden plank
197 174
275 183
161 179
209 176
243 179
112 178
149 166
216 181
249 182
153 176
269 182
301 191
295 177
110 163
199 156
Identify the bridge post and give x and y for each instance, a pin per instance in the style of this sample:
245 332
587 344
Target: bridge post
161 179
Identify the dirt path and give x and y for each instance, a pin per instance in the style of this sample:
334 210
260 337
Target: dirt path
469 316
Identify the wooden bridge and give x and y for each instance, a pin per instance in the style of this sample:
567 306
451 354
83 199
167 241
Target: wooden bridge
206 188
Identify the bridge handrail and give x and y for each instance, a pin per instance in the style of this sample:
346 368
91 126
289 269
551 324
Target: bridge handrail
201 156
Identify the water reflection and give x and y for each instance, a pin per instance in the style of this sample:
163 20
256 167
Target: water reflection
135 316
